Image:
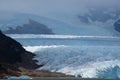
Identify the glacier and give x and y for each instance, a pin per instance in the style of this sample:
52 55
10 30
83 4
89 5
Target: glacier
73 54
82 60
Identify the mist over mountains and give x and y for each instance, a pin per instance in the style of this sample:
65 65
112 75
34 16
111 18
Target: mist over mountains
99 15
70 17
92 23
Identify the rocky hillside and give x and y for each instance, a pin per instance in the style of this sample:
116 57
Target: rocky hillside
33 27
12 52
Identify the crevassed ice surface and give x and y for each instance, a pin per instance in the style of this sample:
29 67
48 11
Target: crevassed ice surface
73 54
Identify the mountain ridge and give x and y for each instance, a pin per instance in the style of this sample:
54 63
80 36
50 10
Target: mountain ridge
32 27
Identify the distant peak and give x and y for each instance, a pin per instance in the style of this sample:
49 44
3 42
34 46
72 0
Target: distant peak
32 21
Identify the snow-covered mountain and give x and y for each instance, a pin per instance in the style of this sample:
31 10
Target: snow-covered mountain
101 18
17 19
99 15
94 23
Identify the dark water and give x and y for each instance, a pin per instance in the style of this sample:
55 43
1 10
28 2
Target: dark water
71 79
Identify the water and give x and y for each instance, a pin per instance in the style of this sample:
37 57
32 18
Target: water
71 54
37 40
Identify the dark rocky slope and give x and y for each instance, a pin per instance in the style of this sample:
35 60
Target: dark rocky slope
33 27
12 52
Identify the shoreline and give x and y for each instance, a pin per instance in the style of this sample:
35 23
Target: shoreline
42 73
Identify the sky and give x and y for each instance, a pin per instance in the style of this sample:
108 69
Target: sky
56 9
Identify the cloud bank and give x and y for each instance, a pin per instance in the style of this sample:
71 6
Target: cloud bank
44 7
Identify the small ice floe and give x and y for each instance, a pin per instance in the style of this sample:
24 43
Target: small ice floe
77 75
15 77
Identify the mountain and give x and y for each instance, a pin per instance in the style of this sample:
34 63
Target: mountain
33 27
95 22
100 20
14 19
117 25
12 52
99 15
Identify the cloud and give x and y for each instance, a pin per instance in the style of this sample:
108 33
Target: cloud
57 8
48 6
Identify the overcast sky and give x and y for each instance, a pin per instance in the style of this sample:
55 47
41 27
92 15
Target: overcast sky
51 6
56 7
